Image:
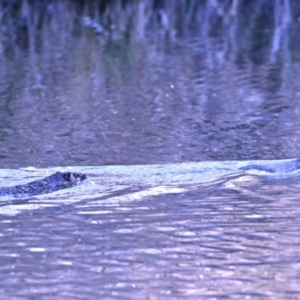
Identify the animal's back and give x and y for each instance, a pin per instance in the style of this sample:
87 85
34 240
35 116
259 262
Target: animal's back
48 184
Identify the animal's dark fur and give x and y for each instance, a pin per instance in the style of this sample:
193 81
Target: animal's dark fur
48 184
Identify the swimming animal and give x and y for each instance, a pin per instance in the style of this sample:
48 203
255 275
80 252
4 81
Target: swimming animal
52 183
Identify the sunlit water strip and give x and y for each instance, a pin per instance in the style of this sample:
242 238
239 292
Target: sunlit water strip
115 184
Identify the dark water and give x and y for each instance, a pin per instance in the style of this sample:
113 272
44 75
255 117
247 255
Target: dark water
201 85
93 83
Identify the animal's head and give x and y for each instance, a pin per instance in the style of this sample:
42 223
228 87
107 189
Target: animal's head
74 178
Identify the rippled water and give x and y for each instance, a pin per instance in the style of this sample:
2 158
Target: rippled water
141 91
186 90
196 231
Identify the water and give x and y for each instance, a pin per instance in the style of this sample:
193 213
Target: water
197 230
152 100
193 89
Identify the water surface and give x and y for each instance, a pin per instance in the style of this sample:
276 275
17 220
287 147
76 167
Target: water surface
202 230
141 91
173 83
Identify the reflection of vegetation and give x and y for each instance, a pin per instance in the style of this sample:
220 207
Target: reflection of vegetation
21 21
203 74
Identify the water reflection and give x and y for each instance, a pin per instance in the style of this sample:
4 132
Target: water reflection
187 81
143 82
